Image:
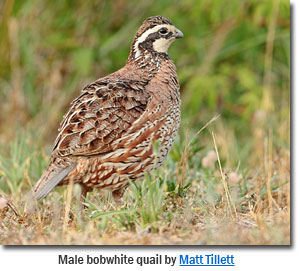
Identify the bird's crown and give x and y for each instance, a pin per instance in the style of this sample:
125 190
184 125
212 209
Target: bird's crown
152 22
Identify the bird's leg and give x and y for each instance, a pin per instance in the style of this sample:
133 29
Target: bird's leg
118 195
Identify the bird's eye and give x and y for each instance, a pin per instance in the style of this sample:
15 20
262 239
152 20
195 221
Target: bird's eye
163 31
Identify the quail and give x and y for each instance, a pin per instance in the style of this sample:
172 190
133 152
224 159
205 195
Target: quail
107 137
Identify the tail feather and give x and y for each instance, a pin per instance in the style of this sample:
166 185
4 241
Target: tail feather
50 178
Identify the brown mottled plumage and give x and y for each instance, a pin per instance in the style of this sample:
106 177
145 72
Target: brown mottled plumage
107 136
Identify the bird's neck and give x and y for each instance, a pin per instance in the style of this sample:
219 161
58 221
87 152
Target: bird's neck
148 62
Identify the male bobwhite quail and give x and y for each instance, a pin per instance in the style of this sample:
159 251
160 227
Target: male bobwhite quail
107 136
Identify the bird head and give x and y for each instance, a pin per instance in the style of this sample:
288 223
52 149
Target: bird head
155 35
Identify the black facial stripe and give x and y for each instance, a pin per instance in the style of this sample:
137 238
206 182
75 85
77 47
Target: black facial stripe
155 36
152 37
170 34
148 43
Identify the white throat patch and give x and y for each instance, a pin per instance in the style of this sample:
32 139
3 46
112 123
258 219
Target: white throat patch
162 45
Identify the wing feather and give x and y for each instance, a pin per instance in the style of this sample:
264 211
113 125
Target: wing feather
99 116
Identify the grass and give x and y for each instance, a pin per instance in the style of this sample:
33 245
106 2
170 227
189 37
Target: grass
226 181
206 203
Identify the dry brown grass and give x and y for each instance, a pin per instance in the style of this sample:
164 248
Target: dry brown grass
214 210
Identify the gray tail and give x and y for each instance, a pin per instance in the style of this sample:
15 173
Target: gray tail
50 178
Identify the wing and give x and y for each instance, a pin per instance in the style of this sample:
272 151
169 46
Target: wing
101 114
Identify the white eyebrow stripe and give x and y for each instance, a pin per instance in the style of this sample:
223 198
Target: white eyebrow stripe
143 37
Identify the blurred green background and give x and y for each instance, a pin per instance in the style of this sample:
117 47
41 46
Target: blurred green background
234 60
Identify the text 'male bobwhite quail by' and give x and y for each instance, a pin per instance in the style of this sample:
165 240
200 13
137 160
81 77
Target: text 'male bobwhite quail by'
107 136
